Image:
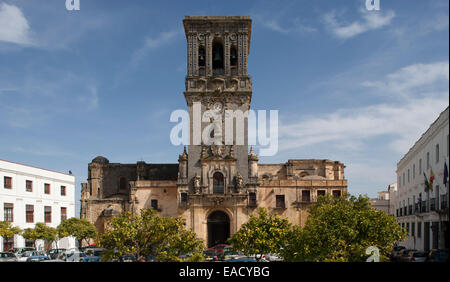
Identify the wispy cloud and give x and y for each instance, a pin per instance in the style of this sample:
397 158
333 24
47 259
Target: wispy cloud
413 80
294 25
14 27
153 43
403 120
370 21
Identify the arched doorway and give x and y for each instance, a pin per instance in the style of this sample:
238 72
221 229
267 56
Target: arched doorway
218 228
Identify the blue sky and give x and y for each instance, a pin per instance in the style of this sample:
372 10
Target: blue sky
351 85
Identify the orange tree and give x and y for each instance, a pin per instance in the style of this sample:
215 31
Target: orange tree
341 229
264 233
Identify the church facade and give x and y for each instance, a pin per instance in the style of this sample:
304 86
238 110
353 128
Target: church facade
214 187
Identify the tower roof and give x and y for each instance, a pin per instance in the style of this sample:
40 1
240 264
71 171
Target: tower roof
241 22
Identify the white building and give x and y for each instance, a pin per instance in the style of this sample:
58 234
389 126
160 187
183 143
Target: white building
29 195
424 213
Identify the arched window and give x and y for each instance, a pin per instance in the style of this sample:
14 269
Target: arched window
201 56
218 183
233 56
122 183
217 57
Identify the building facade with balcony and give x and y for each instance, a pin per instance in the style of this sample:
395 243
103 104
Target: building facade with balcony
424 212
29 195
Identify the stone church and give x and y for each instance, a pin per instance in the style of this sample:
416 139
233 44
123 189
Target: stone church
213 188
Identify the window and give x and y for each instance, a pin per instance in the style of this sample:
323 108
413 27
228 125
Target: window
8 244
233 56
407 227
336 193
420 166
280 201
29 217
419 229
413 229
320 193
408 175
399 182
123 183
306 196
218 183
63 190
47 188
403 179
7 182
201 56
428 160
29 186
437 153
154 204
63 214
184 198
217 57
252 199
414 171
29 243
8 212
47 214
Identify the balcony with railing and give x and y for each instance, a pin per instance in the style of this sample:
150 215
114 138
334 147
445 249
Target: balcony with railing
410 209
432 204
423 207
416 208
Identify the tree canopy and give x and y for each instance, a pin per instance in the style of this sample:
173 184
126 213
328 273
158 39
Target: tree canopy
7 230
341 229
263 233
81 229
41 232
148 234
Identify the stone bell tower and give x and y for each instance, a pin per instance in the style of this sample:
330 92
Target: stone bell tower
218 88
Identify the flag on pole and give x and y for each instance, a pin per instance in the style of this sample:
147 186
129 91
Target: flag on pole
431 179
445 173
427 184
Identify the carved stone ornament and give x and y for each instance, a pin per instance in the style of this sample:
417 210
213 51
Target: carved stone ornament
197 188
239 182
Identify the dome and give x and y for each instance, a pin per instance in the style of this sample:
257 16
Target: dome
100 160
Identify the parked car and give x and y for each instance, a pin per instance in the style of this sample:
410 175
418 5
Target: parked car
273 257
126 259
396 253
75 256
439 255
93 254
8 257
418 256
19 251
228 253
27 254
243 259
210 255
37 258
55 253
405 255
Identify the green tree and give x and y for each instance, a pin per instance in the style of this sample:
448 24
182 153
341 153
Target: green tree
263 233
341 229
41 232
81 229
7 230
30 234
148 234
